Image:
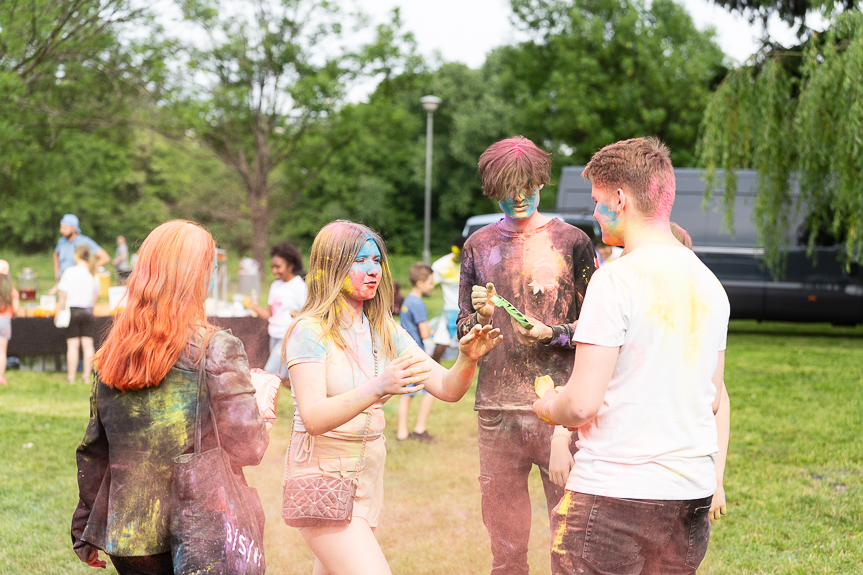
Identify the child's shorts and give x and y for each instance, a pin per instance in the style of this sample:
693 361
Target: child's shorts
6 327
337 458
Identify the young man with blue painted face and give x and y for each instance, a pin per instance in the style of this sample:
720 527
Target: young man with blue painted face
646 390
542 266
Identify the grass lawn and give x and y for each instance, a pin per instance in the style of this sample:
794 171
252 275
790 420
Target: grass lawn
794 480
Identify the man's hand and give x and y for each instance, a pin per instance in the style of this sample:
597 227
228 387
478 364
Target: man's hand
542 406
538 333
94 561
717 505
480 299
561 462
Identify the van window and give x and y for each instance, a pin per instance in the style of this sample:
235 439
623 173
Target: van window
735 266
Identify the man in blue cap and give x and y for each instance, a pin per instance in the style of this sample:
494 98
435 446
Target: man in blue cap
71 238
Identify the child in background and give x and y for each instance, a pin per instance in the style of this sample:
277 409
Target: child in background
8 308
79 289
286 298
414 319
604 252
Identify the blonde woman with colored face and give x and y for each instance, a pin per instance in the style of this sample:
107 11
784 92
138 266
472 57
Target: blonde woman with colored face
347 356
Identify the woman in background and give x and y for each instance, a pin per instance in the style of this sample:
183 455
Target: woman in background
79 290
8 309
286 298
346 356
144 401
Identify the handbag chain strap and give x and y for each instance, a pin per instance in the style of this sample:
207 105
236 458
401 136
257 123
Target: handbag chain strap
368 420
368 416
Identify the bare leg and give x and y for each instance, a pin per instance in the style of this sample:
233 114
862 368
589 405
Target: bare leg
87 348
3 343
351 550
403 412
71 359
425 410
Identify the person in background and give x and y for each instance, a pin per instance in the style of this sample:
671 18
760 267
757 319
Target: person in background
447 271
542 266
682 235
121 260
8 309
398 298
414 318
144 400
71 238
79 290
604 252
286 298
346 356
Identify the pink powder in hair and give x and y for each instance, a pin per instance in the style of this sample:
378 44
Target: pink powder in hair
660 194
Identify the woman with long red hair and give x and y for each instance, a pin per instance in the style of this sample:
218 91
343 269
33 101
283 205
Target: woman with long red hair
143 403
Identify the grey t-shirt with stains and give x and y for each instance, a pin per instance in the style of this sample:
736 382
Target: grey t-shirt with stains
544 273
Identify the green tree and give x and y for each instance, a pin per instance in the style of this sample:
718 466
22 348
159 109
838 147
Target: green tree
379 177
273 75
69 87
597 71
796 115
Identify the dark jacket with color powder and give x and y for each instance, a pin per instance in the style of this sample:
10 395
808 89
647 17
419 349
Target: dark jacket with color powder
125 461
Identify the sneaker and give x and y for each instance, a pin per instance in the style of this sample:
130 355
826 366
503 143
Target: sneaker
423 437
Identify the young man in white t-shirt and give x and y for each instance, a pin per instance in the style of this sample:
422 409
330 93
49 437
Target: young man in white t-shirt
646 386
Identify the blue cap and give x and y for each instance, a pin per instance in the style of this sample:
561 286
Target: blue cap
71 220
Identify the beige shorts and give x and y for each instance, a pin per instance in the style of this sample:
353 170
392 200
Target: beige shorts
337 458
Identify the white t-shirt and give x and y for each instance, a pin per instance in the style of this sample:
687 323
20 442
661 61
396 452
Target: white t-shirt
80 285
655 434
283 298
447 272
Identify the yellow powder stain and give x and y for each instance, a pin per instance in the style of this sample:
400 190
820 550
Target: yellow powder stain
562 511
678 308
542 384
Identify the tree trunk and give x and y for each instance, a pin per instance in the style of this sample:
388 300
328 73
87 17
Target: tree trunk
259 208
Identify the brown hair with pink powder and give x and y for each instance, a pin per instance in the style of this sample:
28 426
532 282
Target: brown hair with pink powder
511 165
642 167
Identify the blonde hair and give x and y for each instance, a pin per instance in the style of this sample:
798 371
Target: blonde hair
83 253
333 253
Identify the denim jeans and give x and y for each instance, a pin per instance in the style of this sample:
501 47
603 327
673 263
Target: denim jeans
594 535
274 362
510 444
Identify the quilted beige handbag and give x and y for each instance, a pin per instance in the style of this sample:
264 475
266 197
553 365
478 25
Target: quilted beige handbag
323 501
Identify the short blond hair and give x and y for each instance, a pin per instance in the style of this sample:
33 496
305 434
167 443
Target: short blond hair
642 166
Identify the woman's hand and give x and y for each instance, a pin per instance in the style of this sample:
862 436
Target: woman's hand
405 374
480 299
479 341
561 462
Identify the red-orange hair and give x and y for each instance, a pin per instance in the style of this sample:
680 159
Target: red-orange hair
164 307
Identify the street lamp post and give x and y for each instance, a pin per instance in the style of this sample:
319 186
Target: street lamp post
430 104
